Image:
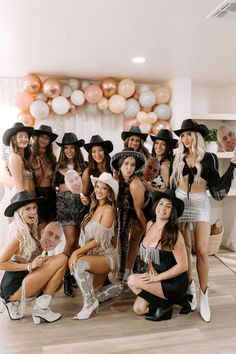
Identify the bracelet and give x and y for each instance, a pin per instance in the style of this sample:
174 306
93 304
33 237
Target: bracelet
29 267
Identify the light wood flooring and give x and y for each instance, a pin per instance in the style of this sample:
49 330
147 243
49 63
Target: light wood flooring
116 329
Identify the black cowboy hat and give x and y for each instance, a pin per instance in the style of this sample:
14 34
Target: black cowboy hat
170 194
190 125
165 135
134 130
71 139
17 127
139 157
97 140
45 130
18 200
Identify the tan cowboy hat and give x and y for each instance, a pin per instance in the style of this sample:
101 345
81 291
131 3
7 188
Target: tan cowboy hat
109 180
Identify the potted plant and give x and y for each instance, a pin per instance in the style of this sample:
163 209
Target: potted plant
211 141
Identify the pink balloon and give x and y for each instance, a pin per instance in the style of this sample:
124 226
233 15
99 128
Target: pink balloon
73 181
93 93
128 123
23 100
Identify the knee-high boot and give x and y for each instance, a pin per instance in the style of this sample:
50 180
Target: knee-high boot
85 283
68 288
124 219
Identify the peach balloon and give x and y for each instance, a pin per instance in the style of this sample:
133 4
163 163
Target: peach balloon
162 94
32 84
23 100
93 93
151 117
141 117
117 104
126 88
26 118
52 88
128 123
160 124
103 104
109 87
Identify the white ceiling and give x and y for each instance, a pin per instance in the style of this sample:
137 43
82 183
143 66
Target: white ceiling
93 39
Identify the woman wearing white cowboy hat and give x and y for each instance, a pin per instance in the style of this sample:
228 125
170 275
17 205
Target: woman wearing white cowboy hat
130 201
27 271
195 170
96 257
18 137
98 161
43 162
70 210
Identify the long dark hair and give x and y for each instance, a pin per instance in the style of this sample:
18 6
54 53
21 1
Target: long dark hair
168 155
141 147
124 197
93 166
50 156
94 204
170 231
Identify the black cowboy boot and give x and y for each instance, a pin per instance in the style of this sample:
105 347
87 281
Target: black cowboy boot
186 304
68 289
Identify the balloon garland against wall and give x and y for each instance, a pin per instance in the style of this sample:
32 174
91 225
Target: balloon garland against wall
139 105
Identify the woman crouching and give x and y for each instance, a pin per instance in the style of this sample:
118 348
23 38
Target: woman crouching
163 252
28 272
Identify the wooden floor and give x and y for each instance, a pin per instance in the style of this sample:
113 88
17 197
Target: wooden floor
116 329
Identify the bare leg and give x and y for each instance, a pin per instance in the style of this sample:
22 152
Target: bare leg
185 229
202 234
71 238
135 238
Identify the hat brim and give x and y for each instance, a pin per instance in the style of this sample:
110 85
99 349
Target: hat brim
106 144
200 128
178 203
138 156
9 133
78 143
171 142
51 136
125 135
9 211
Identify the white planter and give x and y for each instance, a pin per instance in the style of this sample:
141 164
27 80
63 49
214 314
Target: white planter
212 146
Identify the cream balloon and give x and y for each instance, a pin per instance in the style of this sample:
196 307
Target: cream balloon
73 83
163 94
117 104
126 88
103 104
66 91
132 108
60 105
77 97
142 117
39 109
84 84
151 117
142 88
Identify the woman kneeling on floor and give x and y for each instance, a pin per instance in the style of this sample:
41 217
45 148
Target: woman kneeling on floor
28 272
163 252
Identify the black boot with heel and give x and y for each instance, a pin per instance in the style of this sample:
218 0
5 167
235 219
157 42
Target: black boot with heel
159 309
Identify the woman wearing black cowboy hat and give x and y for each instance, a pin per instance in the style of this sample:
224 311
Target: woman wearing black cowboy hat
195 170
135 139
130 202
163 252
163 145
18 137
43 162
70 210
28 272
98 161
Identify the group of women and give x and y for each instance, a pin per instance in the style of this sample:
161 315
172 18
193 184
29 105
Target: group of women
110 220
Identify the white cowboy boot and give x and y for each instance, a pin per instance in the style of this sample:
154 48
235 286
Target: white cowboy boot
192 291
14 309
85 282
205 311
109 291
42 311
2 305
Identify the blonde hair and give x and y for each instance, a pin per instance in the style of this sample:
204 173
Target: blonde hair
27 239
198 149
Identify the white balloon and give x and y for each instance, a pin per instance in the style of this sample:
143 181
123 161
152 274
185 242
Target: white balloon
145 127
84 84
39 109
77 97
74 84
41 97
163 111
147 99
142 88
60 105
132 108
66 91
92 109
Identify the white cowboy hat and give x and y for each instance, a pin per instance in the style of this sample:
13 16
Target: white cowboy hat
109 180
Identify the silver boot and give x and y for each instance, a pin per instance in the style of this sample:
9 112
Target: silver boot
42 311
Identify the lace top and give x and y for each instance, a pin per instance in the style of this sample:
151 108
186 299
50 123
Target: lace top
95 231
